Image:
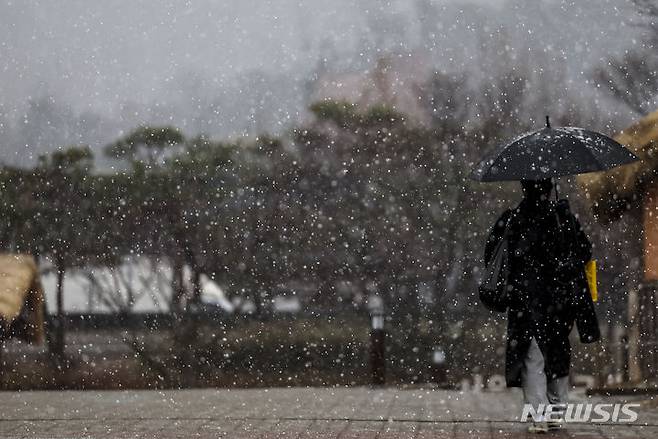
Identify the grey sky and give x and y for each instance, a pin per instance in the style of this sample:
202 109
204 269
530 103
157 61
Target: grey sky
119 63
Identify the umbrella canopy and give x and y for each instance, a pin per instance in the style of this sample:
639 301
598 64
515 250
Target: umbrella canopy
553 152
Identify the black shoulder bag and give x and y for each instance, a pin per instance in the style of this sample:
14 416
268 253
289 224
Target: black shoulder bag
493 289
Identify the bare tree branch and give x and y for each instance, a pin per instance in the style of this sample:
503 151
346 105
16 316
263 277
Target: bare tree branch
631 80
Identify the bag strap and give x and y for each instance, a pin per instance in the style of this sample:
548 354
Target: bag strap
508 224
566 221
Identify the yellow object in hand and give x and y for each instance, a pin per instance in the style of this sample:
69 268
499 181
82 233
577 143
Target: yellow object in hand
590 273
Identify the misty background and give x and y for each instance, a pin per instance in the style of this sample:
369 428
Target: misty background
203 183
84 73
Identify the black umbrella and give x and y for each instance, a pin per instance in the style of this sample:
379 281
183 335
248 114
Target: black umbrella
553 152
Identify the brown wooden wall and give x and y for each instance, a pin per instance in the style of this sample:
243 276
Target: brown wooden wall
650 222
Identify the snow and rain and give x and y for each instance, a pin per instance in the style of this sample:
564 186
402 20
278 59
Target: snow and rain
241 194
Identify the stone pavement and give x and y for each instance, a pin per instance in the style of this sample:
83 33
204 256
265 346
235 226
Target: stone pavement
286 413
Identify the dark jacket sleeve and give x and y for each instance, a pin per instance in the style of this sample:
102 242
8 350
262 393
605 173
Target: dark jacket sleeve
582 305
585 314
495 235
586 320
583 245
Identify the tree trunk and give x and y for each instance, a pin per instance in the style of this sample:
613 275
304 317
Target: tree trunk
647 330
187 345
177 286
415 298
196 287
633 338
260 298
2 347
60 334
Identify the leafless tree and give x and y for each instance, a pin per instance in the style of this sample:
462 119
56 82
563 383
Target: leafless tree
632 79
121 288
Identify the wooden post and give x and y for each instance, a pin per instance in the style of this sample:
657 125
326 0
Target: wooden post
2 347
646 300
633 339
378 349
59 339
647 330
439 368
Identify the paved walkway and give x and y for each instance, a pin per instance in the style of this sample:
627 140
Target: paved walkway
284 413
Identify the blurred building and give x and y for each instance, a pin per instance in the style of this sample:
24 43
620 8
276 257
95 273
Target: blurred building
395 80
630 193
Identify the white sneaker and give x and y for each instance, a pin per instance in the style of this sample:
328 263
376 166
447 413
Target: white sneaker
554 425
555 420
538 427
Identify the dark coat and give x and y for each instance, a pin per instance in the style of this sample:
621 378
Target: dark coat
547 253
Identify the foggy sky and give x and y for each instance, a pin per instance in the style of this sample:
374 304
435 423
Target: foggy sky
84 72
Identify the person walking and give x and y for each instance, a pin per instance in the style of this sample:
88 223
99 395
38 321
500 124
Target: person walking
535 257
546 292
